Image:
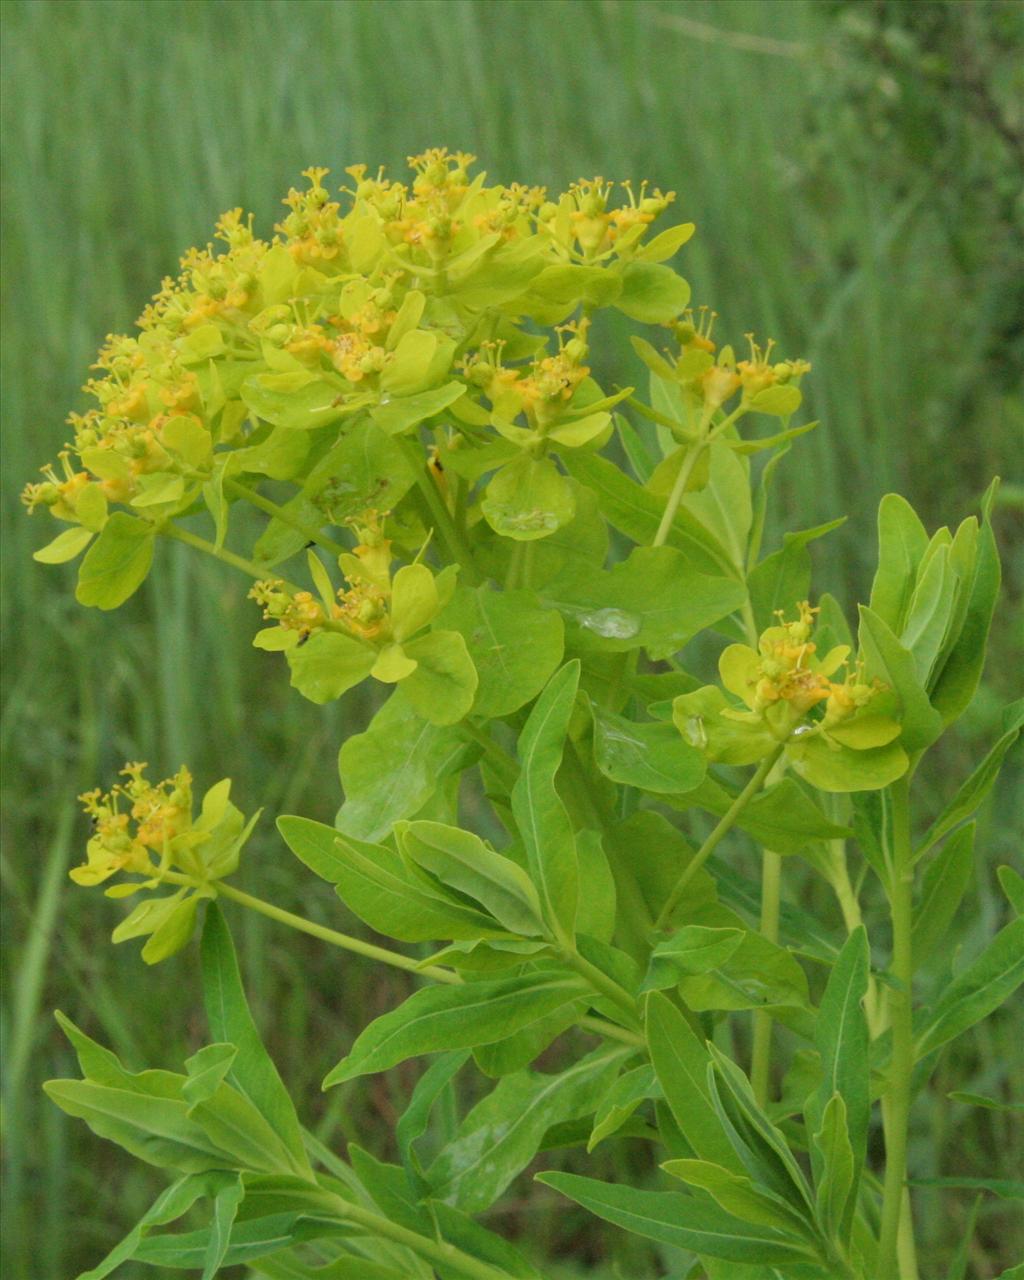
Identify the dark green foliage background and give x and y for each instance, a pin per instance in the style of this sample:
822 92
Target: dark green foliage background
853 169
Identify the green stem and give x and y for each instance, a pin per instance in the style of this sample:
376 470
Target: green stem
771 906
749 622
285 516
336 939
436 973
676 496
601 982
771 898
529 555
725 825
897 1110
259 572
515 566
458 548
444 1255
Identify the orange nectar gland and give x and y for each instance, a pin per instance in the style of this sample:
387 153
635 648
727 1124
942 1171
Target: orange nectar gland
756 373
790 672
784 673
362 607
122 840
850 696
542 387
313 227
594 227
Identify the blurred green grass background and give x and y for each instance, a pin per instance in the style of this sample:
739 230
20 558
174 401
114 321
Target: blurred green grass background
853 169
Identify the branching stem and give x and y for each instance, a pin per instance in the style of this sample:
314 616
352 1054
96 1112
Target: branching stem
443 522
248 567
676 496
285 516
436 973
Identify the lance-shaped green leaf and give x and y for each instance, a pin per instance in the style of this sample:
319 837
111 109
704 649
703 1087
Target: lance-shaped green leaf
975 993
375 885
761 1147
414 1120
620 1101
299 400
234 1125
502 1134
170 1205
651 756
737 1195
691 950
974 790
842 1039
837 1171
251 1238
154 1128
462 861
833 767
888 660
759 974
117 563
929 613
1012 884
226 1202
723 504
680 1220
515 645
596 913
681 1063
902 541
437 1222
392 769
540 815
445 1018
206 1071
252 1072
783 817
516 1051
953 686
945 882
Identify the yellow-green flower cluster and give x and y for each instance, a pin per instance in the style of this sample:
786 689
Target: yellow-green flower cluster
709 381
148 831
354 304
788 697
374 626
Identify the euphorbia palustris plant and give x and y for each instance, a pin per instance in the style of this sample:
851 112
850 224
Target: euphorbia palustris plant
519 560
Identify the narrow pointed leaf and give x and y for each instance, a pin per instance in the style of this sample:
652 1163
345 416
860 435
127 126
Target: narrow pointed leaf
446 1018
679 1220
252 1072
540 815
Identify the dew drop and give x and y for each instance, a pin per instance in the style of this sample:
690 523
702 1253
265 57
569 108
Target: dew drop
613 624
